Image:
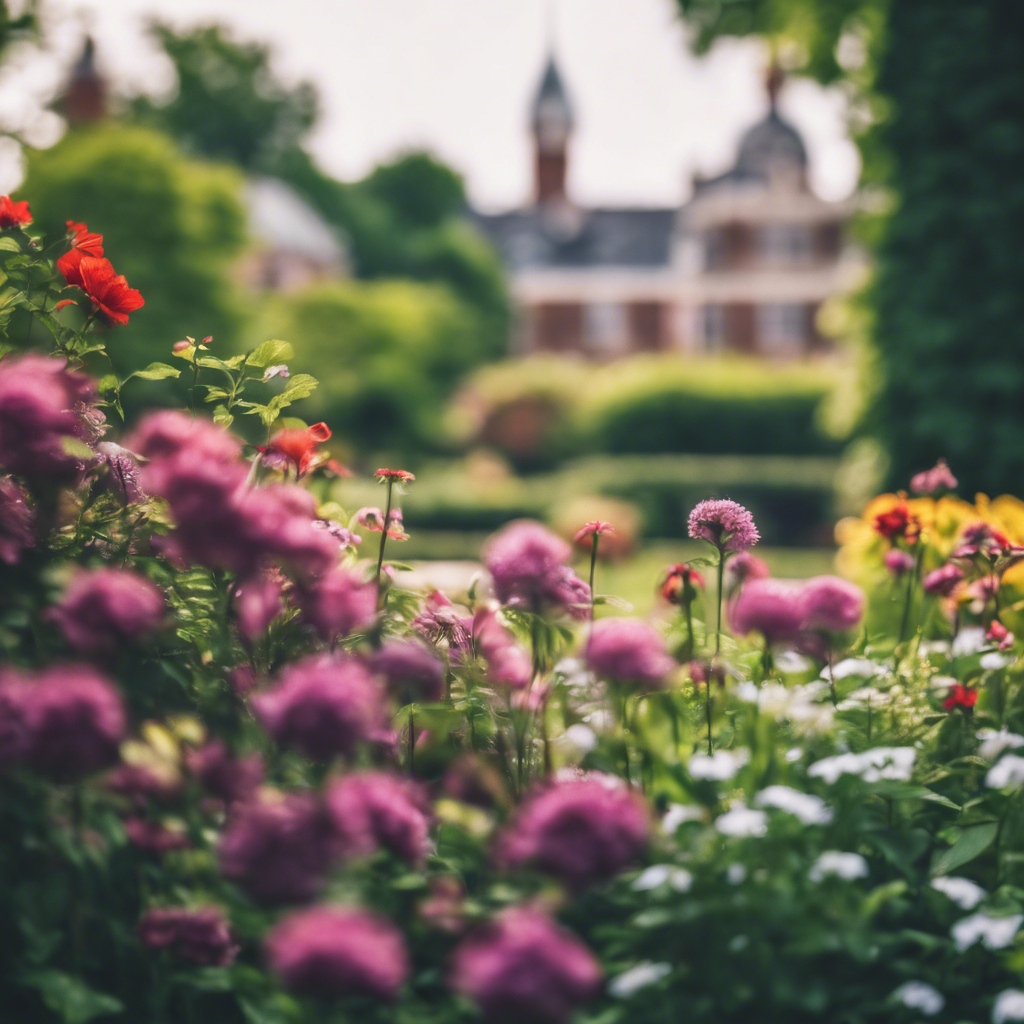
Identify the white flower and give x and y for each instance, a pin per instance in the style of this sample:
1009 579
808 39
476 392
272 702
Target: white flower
891 763
919 995
995 741
993 932
736 874
576 741
943 682
968 641
929 647
721 765
600 720
638 977
663 874
746 691
866 696
810 809
794 754
1009 1005
962 891
678 814
864 667
792 663
995 660
275 371
742 821
1007 772
575 674
834 862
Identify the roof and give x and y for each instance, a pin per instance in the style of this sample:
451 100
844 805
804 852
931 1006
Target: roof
281 219
551 104
543 237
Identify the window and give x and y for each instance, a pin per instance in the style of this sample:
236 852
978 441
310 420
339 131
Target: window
784 244
715 250
605 327
713 328
782 328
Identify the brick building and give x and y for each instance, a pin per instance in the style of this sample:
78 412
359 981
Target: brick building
743 266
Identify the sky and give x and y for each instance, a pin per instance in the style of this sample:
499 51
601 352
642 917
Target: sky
456 77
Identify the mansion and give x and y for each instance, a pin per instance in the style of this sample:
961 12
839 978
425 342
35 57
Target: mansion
742 267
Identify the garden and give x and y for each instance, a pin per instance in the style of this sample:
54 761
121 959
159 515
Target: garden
247 775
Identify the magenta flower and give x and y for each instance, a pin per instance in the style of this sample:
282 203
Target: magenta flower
155 838
943 581
323 706
257 604
141 784
200 936
372 519
934 480
522 966
75 721
278 848
527 563
770 607
581 831
508 663
439 621
42 405
103 609
629 651
17 521
742 567
831 604
597 528
338 603
228 778
122 477
898 562
726 524
414 674
375 810
332 952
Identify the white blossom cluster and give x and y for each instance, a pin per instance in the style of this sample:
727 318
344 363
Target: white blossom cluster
879 763
810 809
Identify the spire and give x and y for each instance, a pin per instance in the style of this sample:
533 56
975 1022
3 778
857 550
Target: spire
85 95
773 83
552 111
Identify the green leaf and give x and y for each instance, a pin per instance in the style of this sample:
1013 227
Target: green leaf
70 997
222 417
9 244
108 382
972 842
270 352
157 371
214 394
77 449
213 363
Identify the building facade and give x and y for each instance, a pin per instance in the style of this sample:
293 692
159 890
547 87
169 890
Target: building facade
743 266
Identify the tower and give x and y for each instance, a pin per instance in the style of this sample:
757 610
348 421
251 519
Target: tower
85 95
552 123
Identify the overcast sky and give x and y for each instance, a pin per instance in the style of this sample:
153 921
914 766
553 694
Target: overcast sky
456 77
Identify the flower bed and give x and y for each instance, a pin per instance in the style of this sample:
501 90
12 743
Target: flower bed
246 777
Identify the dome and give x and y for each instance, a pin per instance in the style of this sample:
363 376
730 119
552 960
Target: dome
769 143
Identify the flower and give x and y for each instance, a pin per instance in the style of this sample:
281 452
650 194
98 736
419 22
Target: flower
918 995
770 607
508 663
726 524
998 634
280 370
375 810
14 730
1006 773
848 866
83 243
522 966
680 814
898 562
323 706
831 604
155 838
332 952
580 830
296 448
337 604
994 742
1009 1006
962 891
810 809
527 563
742 822
875 765
228 778
122 477
414 674
17 521
598 528
41 404
898 522
394 474
742 567
933 481
373 519
719 766
992 932
74 719
961 696
102 609
658 875
13 214
278 847
636 978
941 582
108 291
257 604
629 651
201 936
681 584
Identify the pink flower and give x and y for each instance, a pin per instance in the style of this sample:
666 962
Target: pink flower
323 706
257 604
103 609
374 810
280 370
943 581
438 621
373 519
629 651
228 778
122 476
141 785
681 584
17 521
332 952
770 607
898 562
508 663
998 634
581 831
414 674
200 936
598 528
527 563
831 604
742 567
934 480
726 524
521 966
402 475
155 838
338 603
278 849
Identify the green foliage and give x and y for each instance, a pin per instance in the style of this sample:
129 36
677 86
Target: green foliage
420 191
118 178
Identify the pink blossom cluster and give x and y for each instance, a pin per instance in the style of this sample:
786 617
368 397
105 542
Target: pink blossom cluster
629 652
724 523
784 611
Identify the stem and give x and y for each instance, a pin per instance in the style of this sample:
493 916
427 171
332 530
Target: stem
718 629
384 531
707 705
412 741
831 677
908 600
593 563
690 645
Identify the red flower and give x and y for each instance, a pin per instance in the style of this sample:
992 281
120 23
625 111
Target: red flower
962 696
680 584
13 214
897 522
598 528
394 474
295 447
109 291
84 243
